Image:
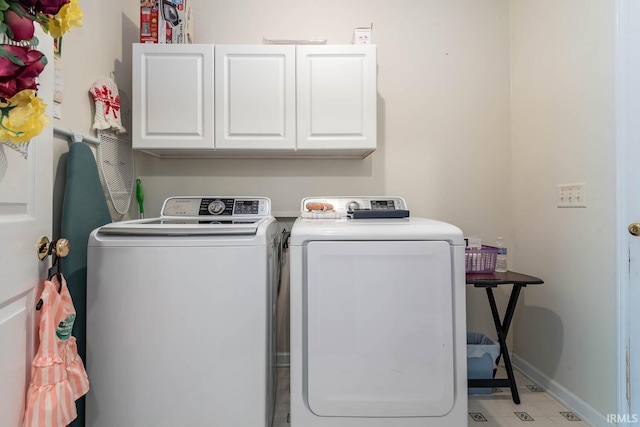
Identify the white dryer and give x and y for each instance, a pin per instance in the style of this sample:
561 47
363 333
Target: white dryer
180 310
378 333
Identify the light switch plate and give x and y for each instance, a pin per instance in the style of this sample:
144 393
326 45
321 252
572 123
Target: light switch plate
572 195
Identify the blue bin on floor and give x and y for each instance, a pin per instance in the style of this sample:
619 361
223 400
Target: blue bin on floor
482 353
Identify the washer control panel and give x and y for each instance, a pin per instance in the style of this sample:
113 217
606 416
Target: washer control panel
344 204
217 206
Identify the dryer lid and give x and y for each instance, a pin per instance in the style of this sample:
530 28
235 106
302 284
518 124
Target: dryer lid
333 224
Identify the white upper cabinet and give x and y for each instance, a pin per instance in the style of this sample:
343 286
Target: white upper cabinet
255 97
336 102
172 99
254 100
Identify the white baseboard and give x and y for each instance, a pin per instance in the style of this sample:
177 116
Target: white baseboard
561 394
282 360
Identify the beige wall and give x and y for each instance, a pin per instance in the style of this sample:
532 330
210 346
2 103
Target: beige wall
102 46
450 142
563 131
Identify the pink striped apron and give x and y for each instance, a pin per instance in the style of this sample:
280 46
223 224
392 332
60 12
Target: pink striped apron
58 376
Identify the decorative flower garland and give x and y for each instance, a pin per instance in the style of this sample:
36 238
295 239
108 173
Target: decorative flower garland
22 113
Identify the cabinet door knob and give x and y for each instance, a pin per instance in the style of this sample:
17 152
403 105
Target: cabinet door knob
634 228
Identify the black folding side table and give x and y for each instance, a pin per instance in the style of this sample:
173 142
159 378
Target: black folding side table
490 281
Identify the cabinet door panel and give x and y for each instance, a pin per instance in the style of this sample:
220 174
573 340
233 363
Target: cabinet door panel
336 93
255 106
173 96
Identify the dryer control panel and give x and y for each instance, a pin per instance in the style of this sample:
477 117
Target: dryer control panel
345 204
217 206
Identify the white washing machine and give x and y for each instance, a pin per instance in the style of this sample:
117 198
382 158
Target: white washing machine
378 333
180 310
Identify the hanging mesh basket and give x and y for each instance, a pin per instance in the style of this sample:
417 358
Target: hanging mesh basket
115 157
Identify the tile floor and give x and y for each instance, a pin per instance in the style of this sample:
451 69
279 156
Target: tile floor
537 408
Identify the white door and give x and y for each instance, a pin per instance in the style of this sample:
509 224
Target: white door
337 97
172 101
255 97
628 152
379 329
25 215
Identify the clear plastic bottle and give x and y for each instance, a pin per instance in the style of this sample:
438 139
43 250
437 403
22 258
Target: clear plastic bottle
501 259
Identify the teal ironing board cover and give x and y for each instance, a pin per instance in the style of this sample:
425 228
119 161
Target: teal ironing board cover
84 209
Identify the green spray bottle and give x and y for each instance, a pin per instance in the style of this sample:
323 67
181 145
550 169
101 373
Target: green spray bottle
140 197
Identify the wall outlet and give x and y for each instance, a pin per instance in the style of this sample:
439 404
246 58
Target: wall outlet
572 195
361 36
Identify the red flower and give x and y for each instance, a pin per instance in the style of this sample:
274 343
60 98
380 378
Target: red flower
21 25
15 77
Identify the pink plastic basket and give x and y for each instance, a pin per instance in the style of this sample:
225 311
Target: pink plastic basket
480 260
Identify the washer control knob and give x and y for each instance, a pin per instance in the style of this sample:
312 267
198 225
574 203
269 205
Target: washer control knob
353 206
216 207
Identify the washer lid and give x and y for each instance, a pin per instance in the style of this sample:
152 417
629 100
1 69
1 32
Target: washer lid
198 226
198 216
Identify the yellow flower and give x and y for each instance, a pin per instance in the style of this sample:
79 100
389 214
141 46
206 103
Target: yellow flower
70 15
22 117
